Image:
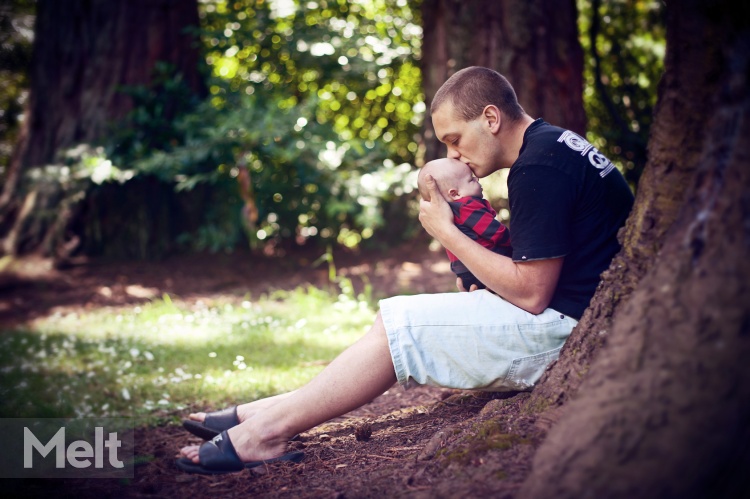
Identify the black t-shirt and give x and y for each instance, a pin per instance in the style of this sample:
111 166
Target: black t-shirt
566 199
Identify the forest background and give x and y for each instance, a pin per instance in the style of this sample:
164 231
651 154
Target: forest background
276 124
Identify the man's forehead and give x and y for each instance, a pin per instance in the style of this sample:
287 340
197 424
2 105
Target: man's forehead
443 123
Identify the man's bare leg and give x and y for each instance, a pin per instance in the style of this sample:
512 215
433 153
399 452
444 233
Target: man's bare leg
358 375
248 410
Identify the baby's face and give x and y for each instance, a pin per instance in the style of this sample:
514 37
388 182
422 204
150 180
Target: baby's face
463 182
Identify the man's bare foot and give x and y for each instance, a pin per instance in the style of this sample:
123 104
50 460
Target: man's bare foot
197 416
248 445
243 413
201 416
246 411
190 452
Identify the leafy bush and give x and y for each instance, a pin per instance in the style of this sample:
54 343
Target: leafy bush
291 175
309 128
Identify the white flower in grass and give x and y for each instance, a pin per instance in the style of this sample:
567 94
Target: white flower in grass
125 394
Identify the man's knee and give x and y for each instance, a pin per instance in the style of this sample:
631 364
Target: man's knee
378 327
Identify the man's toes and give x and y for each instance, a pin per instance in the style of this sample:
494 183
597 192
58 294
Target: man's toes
197 416
190 451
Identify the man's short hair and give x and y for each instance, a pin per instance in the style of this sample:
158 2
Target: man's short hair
471 89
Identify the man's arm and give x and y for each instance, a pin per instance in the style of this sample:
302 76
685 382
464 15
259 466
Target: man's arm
528 285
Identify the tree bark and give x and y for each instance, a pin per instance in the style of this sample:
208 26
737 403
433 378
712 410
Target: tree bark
664 409
86 51
534 44
674 154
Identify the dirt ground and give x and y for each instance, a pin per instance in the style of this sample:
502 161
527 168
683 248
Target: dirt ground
424 442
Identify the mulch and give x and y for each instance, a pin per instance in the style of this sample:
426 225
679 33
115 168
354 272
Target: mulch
424 442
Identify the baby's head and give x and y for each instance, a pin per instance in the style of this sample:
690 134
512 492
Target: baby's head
454 179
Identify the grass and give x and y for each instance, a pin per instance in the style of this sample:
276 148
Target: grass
154 361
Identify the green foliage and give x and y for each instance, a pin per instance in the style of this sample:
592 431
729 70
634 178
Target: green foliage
356 58
308 130
303 181
624 42
150 125
16 25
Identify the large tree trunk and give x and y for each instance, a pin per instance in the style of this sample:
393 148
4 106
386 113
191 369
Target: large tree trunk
84 53
675 150
534 44
664 407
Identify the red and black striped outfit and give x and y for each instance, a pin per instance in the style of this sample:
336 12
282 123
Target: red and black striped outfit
475 217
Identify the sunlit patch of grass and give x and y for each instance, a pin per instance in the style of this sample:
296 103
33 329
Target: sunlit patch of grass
156 360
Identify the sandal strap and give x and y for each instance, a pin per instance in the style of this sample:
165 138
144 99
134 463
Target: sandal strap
222 420
219 454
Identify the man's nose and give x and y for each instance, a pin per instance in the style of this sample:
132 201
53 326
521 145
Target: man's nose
453 154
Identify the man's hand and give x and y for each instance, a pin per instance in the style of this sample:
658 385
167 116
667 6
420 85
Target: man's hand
460 285
435 215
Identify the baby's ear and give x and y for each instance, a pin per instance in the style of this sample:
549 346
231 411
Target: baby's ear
453 193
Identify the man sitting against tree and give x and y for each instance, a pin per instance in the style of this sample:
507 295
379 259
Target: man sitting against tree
567 203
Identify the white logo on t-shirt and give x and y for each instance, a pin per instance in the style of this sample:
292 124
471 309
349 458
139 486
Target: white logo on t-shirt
579 144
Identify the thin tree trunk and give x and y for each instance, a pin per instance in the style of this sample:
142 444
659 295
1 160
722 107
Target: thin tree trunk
664 409
84 53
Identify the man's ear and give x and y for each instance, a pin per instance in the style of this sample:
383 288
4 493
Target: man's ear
493 117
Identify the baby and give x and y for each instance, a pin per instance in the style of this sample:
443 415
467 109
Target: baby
471 213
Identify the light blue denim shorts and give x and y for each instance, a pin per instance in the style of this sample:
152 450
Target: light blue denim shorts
471 341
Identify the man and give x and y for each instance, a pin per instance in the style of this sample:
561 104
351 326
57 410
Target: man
567 203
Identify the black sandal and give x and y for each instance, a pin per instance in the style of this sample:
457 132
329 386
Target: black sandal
218 457
215 423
